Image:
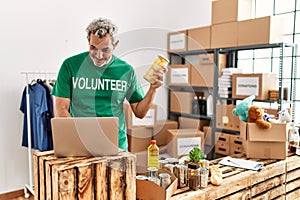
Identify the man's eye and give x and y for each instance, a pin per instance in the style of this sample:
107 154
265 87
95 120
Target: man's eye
105 50
93 48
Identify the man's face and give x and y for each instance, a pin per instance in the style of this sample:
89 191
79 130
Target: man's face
100 49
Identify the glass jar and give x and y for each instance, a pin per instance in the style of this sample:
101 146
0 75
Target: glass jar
193 176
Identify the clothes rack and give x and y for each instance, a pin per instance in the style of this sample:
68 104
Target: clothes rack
29 188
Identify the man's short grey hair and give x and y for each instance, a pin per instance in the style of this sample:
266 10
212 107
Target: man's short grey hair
100 27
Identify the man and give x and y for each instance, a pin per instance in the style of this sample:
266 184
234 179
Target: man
95 83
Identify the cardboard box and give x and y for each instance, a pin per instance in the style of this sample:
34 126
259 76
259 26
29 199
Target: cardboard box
181 141
132 121
224 35
181 102
231 10
191 123
177 41
264 30
179 75
225 119
264 144
149 190
222 148
236 144
139 138
244 85
198 38
222 143
202 75
160 131
207 135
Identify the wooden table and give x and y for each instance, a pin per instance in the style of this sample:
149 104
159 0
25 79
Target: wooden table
109 177
280 179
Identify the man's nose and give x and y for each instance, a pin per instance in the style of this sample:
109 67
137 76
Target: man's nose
99 54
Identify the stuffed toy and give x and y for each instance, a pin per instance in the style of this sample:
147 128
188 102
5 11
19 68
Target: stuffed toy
284 116
268 118
255 114
241 109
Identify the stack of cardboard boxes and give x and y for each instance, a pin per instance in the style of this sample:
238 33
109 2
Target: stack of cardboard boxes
232 26
174 139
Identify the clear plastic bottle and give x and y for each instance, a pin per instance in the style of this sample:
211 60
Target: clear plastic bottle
153 155
209 105
294 137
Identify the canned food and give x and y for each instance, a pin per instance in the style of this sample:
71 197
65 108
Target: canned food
165 180
173 161
152 171
155 180
159 63
169 167
204 163
203 177
141 177
180 172
162 163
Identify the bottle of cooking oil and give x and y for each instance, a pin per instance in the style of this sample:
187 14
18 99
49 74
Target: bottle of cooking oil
153 155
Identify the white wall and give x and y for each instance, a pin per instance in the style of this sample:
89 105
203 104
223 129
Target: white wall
37 35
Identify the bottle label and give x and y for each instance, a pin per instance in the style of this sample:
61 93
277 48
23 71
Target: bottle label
153 160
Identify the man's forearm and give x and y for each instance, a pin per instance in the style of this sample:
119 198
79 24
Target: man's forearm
144 105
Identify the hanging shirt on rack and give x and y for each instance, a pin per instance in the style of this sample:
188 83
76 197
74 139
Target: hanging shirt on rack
40 138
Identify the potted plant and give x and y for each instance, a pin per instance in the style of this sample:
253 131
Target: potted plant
195 155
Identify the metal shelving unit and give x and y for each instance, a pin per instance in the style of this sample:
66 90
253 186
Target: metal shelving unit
232 60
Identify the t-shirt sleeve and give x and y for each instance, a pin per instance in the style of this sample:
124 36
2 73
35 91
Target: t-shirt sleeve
63 84
135 91
23 101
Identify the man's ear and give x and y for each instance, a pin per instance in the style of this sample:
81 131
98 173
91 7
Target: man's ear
116 43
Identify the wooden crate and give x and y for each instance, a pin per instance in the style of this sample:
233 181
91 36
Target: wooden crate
292 184
111 177
279 179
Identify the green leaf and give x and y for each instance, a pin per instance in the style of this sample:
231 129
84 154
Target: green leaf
196 154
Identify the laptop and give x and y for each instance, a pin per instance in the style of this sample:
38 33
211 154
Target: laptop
85 136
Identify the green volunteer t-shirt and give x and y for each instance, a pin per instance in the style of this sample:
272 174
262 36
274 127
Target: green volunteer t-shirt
98 91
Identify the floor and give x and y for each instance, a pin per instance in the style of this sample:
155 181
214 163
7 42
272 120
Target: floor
23 198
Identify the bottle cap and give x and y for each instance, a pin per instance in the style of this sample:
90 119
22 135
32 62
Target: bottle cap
153 141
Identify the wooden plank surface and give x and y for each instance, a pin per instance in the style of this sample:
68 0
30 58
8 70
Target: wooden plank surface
101 181
130 192
292 162
85 181
271 193
36 176
244 194
268 183
292 175
295 195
